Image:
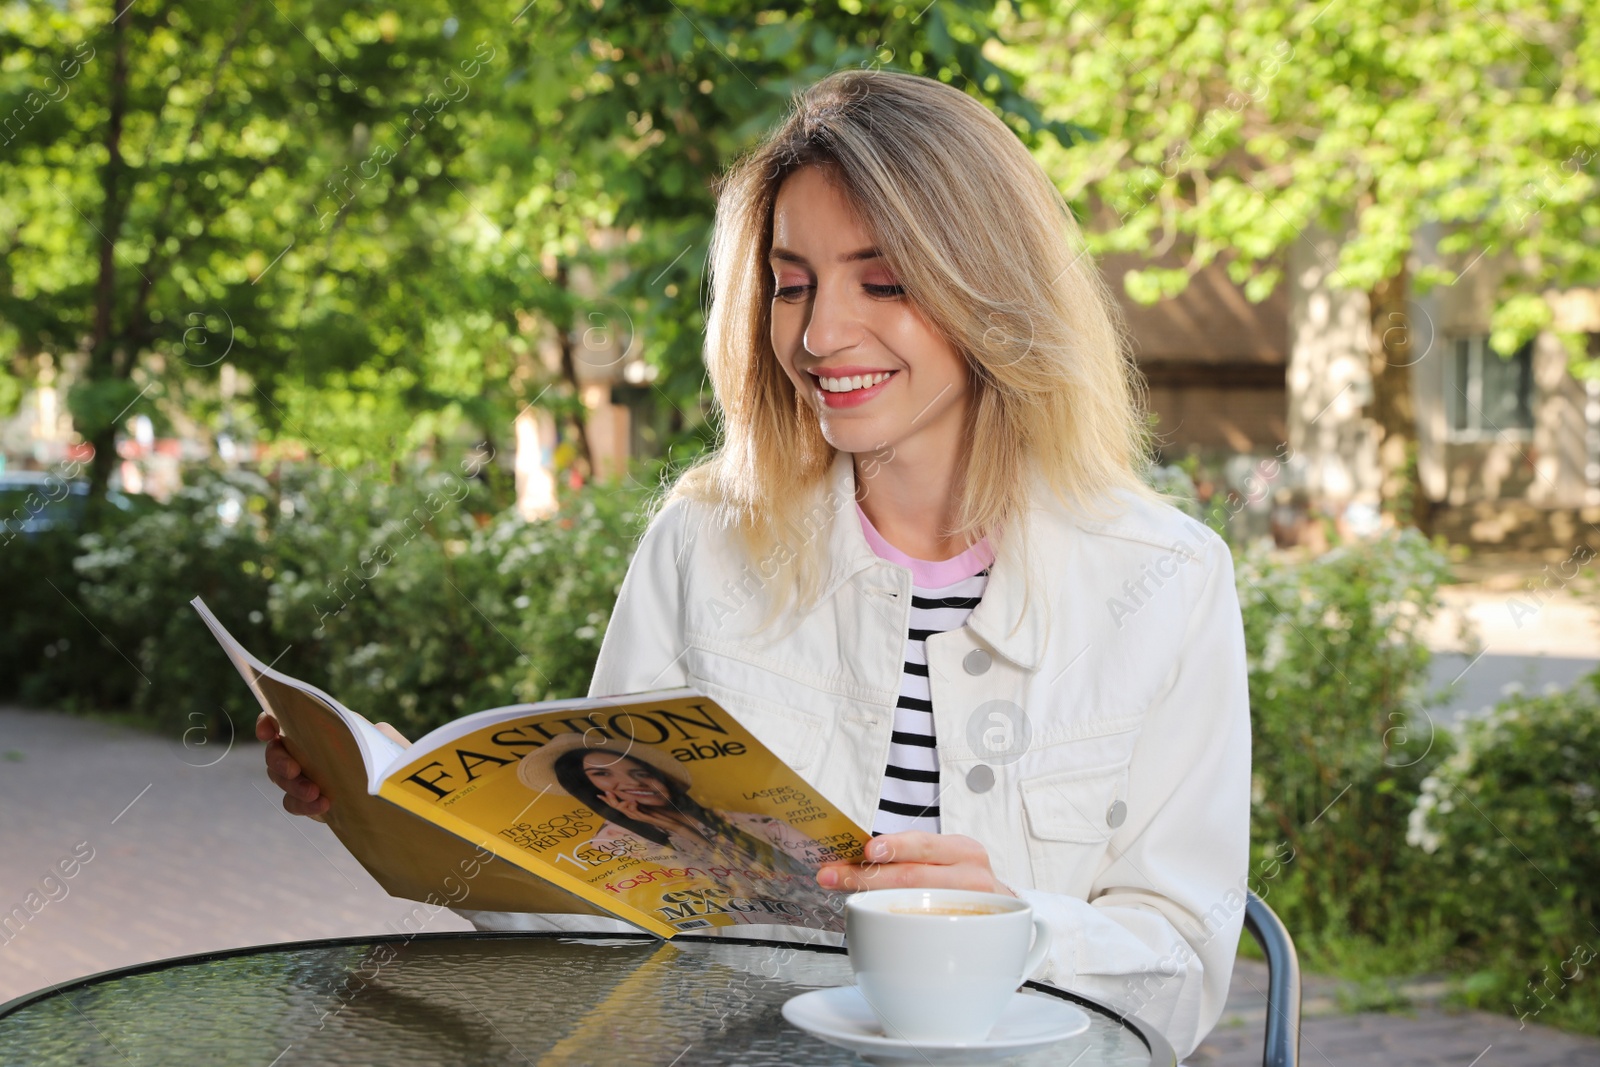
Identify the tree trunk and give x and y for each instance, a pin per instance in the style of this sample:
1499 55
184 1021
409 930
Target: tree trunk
569 370
1393 405
103 340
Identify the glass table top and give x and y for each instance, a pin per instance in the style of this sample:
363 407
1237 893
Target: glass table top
468 999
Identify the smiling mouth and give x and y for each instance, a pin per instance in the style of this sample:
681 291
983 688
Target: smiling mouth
851 384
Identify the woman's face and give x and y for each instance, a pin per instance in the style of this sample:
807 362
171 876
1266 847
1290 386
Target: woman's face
626 779
838 312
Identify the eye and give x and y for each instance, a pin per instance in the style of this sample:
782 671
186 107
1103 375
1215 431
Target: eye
790 293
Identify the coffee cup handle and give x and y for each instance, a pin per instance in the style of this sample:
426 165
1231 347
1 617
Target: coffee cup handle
1036 954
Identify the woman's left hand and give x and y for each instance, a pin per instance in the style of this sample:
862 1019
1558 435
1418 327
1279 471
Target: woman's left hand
916 860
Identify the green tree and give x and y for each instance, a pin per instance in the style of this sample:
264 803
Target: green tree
622 116
1227 133
371 208
245 182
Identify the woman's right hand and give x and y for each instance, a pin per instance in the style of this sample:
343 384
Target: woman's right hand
626 806
301 796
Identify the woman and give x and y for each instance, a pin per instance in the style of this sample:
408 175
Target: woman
650 815
922 566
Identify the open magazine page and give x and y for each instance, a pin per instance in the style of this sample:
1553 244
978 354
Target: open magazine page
377 750
659 807
409 857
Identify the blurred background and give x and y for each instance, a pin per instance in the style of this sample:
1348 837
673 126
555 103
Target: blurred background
376 324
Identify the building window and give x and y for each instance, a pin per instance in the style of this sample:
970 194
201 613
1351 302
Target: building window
1487 394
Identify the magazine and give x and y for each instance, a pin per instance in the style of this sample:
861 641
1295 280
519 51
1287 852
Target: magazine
657 808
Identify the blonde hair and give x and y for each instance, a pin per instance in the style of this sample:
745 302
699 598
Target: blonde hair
989 252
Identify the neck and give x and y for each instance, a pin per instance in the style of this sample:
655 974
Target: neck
909 495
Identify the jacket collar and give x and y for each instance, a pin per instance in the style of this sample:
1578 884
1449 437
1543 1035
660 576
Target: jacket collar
1013 623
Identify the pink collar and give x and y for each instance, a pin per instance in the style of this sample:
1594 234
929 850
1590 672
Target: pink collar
929 573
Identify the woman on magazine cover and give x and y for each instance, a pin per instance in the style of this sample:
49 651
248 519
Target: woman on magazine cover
651 815
922 565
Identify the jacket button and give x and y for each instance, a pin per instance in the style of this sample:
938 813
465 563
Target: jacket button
977 661
981 778
1116 813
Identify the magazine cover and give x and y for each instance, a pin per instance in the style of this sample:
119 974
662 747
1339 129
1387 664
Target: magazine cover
661 808
658 808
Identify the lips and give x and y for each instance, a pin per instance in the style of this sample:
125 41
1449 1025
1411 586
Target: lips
843 387
846 383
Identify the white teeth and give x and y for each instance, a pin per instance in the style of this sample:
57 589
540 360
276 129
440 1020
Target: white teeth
846 385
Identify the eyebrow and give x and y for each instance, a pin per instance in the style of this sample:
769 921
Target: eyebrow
848 257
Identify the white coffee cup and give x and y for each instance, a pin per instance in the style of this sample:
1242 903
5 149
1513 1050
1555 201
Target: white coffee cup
940 965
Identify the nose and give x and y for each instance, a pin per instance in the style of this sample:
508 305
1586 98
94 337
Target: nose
835 323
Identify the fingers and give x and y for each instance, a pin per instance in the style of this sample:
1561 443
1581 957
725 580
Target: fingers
281 767
913 859
915 846
301 796
266 727
315 809
854 877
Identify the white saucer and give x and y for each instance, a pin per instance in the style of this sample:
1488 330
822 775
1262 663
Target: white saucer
841 1016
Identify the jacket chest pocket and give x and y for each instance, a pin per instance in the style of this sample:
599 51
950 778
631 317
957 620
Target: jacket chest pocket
1070 817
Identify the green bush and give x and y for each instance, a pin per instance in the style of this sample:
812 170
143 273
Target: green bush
1511 828
51 653
135 583
413 599
418 614
1341 735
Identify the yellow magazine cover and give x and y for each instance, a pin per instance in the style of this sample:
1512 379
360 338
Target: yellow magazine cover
659 808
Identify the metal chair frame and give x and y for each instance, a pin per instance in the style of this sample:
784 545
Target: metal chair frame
1281 1047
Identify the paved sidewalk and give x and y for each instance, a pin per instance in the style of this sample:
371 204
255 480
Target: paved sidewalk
1426 1037
186 857
191 853
1530 639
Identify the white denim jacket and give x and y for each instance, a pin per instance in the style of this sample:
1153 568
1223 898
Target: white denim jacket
1096 742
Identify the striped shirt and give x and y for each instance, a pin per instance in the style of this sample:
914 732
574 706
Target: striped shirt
943 594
